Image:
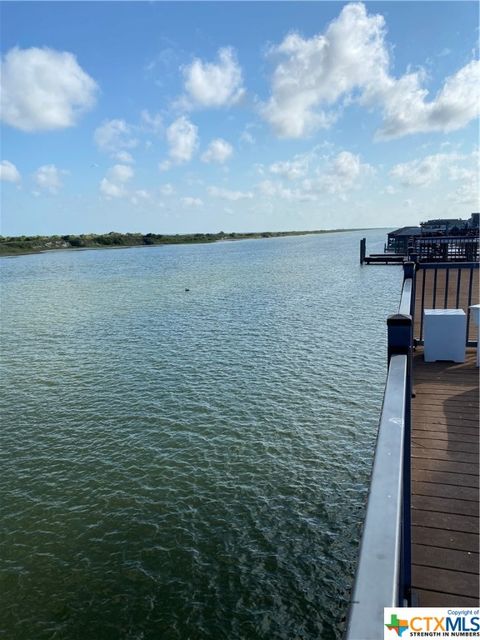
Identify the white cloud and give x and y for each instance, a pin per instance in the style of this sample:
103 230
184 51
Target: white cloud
247 137
407 111
314 73
124 157
277 190
218 151
456 174
113 185
153 123
210 84
164 166
422 172
48 178
120 173
192 202
111 190
316 77
9 172
292 170
44 89
227 194
141 195
344 172
182 137
114 136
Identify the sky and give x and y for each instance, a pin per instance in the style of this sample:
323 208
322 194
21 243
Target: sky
184 117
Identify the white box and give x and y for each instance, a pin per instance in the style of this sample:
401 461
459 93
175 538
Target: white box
444 333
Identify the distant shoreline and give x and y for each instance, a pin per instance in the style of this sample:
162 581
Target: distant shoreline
25 245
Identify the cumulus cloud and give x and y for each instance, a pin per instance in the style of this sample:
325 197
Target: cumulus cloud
140 195
421 172
278 190
315 77
218 151
182 137
344 173
124 157
49 178
111 190
120 173
314 73
227 194
113 185
188 201
407 111
292 170
210 84
114 136
44 89
247 137
9 172
153 123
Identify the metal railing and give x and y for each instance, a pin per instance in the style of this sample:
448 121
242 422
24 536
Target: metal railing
452 286
383 577
444 249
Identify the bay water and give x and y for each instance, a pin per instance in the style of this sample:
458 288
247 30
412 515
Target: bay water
188 465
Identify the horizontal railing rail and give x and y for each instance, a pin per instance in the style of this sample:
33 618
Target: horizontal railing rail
383 577
378 579
444 249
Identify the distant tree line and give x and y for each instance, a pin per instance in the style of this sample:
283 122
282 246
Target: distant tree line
33 244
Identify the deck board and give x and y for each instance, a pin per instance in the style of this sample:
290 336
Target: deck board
445 482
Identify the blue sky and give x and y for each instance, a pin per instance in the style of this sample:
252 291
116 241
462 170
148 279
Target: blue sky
199 117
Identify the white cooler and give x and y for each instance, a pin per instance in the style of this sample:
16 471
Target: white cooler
444 334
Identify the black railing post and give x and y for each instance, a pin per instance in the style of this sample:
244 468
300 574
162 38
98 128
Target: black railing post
400 341
409 272
363 249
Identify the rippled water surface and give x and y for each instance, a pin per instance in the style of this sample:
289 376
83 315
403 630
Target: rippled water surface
188 465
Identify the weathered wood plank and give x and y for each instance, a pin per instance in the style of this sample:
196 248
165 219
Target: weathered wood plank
442 558
435 599
430 444
445 505
442 465
455 582
446 521
437 490
444 435
444 477
445 455
443 538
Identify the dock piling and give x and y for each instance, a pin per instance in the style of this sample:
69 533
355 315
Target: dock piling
363 249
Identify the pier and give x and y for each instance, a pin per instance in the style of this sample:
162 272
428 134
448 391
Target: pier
420 537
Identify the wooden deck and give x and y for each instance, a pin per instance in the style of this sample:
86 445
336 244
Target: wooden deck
445 482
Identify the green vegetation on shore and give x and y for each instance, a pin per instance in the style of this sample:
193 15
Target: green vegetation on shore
10 246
